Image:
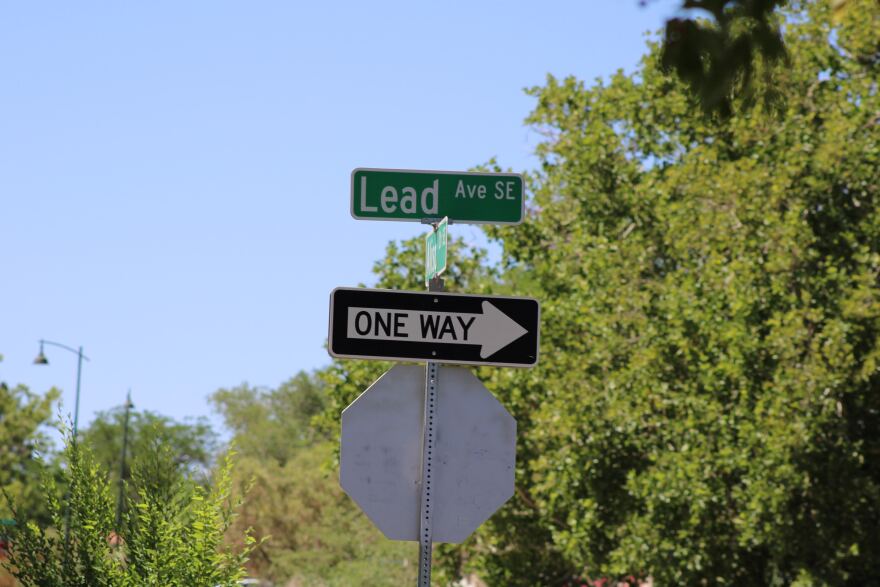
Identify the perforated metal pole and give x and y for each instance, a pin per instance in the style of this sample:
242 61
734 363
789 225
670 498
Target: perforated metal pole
426 510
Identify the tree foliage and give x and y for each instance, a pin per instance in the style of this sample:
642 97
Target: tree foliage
192 443
705 410
172 534
719 52
314 533
271 424
722 45
23 414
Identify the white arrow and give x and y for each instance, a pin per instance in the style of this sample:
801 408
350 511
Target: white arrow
495 330
492 330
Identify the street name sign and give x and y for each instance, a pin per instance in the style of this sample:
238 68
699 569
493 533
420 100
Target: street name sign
435 251
413 196
380 461
447 328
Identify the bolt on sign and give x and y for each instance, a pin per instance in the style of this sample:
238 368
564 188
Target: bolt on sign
413 196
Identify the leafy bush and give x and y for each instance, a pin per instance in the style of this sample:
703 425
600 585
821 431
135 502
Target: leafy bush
172 533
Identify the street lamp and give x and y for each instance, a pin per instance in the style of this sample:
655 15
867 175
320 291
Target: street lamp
119 503
42 360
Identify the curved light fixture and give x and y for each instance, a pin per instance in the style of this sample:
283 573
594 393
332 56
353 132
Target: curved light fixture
41 358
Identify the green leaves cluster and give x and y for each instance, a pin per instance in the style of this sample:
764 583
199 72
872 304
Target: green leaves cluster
22 417
710 310
720 55
719 48
314 533
193 443
173 532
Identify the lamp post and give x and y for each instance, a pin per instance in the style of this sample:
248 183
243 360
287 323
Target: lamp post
42 360
119 502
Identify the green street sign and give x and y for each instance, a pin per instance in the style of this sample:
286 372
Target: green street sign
413 196
435 251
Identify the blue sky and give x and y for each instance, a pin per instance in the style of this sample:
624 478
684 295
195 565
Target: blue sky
174 190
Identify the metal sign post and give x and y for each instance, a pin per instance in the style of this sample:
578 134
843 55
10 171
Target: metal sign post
437 238
426 510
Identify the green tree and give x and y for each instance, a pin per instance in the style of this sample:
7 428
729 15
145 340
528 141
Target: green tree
271 424
718 53
193 443
705 410
314 534
173 532
720 47
23 416
709 288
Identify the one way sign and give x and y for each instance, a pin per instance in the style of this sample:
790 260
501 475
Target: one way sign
448 328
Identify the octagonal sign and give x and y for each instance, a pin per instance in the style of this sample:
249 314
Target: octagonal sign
475 453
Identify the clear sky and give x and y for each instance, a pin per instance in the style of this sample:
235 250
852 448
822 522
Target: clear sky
174 175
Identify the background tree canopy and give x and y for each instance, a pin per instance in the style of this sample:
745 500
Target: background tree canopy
315 533
706 407
23 417
192 443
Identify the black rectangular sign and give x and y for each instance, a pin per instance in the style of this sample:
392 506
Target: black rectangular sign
432 326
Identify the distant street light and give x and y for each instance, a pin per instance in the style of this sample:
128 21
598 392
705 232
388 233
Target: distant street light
128 407
42 360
